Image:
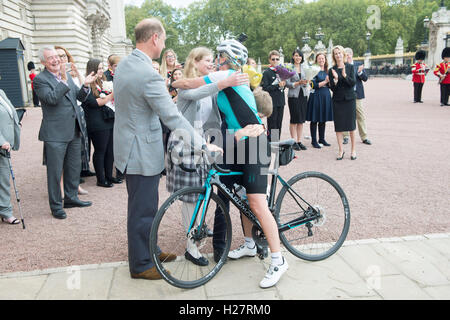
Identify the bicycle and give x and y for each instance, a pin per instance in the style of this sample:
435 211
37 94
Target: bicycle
311 210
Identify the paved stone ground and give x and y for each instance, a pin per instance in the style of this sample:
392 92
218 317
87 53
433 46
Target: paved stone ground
398 187
406 268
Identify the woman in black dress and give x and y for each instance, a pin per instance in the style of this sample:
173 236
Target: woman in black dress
342 82
297 99
100 123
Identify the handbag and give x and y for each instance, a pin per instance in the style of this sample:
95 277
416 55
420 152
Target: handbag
108 113
286 155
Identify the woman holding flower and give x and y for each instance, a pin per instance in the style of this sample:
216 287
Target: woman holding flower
272 83
297 99
100 123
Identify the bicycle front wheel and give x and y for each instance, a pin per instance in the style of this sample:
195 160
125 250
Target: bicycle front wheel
308 194
201 252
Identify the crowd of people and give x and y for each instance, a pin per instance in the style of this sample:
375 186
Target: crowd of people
389 69
133 129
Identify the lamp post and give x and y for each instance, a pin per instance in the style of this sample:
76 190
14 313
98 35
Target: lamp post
368 35
319 34
306 38
319 47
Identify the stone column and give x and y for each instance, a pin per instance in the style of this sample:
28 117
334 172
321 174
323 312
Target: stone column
281 55
439 28
399 52
330 48
367 57
121 45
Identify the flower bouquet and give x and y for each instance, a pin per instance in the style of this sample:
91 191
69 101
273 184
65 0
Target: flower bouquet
284 71
310 71
107 90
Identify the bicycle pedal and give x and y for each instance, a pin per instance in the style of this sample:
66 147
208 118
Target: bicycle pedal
262 252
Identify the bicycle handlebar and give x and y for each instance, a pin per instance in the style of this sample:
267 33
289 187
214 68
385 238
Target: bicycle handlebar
214 165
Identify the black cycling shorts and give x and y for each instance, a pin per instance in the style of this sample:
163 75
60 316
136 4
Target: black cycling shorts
250 156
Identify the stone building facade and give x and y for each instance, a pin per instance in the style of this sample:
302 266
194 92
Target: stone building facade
86 28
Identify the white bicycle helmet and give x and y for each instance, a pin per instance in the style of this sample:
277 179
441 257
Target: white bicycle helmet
236 52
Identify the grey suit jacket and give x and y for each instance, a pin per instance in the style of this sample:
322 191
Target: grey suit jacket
60 110
141 99
294 92
9 123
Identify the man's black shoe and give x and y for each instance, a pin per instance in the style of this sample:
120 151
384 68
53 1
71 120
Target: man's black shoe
301 146
59 214
87 173
345 140
115 180
367 141
76 203
105 184
202 261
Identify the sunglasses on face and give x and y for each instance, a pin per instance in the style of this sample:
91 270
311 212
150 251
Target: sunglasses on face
275 59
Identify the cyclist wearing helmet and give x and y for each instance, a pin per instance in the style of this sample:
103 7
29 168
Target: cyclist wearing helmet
238 109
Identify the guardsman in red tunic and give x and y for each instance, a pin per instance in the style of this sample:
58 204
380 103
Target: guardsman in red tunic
419 71
442 70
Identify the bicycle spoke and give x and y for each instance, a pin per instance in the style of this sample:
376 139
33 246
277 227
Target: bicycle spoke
323 235
170 234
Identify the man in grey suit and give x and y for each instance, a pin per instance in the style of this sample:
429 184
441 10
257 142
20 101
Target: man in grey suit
60 130
9 140
142 99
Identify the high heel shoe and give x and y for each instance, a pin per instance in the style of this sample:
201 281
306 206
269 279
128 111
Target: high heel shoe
341 157
353 157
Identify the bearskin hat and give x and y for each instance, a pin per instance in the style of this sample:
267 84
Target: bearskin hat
30 66
420 55
446 53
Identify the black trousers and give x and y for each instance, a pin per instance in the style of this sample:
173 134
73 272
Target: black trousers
313 131
142 207
35 99
445 92
418 91
274 123
103 157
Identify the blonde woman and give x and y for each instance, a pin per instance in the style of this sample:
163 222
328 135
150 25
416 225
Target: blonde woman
168 64
198 106
342 82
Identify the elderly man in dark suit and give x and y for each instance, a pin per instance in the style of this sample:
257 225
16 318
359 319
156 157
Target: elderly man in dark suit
359 90
9 140
60 130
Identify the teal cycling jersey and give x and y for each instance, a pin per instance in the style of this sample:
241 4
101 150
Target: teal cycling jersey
237 104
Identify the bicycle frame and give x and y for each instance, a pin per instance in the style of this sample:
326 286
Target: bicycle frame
213 179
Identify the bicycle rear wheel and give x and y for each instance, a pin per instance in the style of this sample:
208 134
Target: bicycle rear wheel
307 193
169 234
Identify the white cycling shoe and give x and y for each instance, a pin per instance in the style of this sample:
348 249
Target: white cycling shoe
273 274
242 251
